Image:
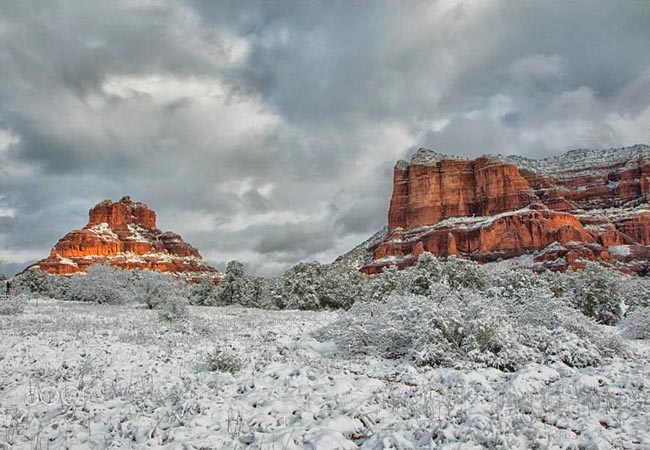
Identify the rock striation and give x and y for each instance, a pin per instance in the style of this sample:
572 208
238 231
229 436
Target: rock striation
559 212
124 235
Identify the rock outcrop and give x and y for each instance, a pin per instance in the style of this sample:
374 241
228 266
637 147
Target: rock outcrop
561 211
124 234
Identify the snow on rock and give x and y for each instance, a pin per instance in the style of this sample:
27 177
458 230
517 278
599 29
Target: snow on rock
580 162
620 250
498 207
124 234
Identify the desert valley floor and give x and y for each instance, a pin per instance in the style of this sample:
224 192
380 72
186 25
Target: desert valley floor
79 375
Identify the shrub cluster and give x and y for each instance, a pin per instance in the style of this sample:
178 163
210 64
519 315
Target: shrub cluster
598 293
305 286
13 306
106 284
461 327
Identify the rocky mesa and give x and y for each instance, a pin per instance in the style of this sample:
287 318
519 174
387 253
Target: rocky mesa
124 235
553 213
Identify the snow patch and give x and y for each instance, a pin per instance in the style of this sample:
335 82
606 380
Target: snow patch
426 157
136 233
575 163
580 162
103 229
620 250
66 261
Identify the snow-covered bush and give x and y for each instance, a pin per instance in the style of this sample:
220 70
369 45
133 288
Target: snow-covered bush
557 282
106 284
636 324
468 326
155 288
263 293
389 327
35 281
340 288
173 309
389 282
447 332
566 347
635 290
456 327
597 294
13 306
222 360
518 283
101 284
236 288
300 285
425 273
430 271
466 274
205 293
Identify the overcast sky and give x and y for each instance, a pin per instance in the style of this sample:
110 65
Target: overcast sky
267 131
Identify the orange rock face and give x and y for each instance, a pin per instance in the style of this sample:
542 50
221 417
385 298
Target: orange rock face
124 234
564 211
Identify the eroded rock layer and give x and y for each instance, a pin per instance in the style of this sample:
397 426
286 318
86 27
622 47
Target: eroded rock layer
124 234
562 211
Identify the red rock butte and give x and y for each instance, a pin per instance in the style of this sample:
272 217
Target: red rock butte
553 213
123 234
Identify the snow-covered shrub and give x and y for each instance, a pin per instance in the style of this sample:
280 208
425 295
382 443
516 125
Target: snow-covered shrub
468 326
340 287
173 309
564 346
154 288
597 294
427 331
205 293
561 333
263 292
35 281
636 324
13 306
390 281
389 326
635 290
236 288
425 273
101 284
518 283
557 282
463 273
299 287
222 360
456 327
106 284
430 271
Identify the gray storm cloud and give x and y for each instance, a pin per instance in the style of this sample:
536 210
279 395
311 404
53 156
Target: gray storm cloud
266 131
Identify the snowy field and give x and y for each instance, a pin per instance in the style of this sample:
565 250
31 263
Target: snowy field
83 375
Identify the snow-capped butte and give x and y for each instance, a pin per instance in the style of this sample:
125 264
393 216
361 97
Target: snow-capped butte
564 210
123 234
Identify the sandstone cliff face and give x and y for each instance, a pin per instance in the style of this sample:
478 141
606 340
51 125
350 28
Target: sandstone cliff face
124 234
564 211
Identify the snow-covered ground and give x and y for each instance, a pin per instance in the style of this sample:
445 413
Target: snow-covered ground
82 375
